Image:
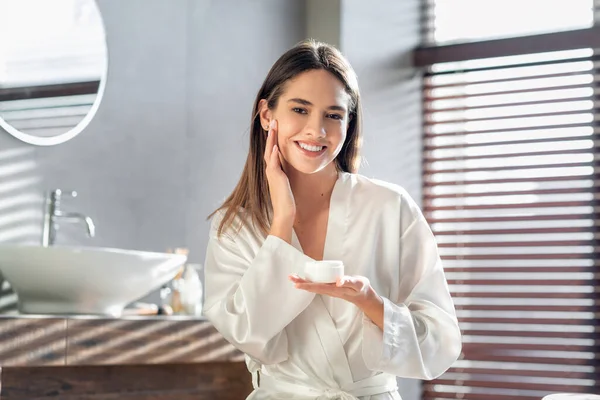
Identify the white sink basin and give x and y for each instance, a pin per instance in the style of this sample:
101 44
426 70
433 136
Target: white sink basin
83 280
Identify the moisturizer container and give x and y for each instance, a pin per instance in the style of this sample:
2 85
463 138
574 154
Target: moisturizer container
327 271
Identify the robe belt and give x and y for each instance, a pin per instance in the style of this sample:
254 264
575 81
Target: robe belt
377 384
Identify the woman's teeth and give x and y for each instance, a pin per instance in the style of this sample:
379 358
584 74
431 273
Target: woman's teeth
308 147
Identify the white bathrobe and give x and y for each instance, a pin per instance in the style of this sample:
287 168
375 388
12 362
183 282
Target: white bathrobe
299 345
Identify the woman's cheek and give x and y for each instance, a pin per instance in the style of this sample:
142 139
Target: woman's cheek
288 128
292 123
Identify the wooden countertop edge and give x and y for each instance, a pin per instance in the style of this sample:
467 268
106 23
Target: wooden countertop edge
36 341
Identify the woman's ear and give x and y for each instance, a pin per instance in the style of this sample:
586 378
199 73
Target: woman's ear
264 114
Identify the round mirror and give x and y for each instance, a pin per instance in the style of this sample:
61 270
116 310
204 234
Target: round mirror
53 63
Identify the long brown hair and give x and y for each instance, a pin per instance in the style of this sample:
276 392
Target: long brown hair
252 191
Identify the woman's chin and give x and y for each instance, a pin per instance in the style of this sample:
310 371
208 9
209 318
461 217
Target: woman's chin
308 168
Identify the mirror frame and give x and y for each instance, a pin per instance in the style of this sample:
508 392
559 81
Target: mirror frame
71 133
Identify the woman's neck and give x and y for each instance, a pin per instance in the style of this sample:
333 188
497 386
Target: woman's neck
312 191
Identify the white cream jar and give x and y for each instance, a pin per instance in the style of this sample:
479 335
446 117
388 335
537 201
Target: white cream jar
327 271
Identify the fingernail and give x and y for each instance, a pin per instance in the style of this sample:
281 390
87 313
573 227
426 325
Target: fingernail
272 124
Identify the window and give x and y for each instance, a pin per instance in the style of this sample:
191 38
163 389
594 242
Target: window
466 20
510 190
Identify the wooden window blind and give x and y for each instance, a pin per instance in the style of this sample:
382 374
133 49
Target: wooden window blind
510 185
511 192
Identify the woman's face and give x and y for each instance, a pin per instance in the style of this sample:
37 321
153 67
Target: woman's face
312 118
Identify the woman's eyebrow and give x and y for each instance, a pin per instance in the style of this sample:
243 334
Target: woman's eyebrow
308 103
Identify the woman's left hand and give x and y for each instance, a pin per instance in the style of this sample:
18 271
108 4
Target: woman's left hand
355 289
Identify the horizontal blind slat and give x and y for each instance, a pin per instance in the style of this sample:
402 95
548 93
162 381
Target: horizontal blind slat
429 195
515 155
486 307
523 295
474 393
510 385
511 270
512 117
525 372
531 334
429 183
568 125
516 231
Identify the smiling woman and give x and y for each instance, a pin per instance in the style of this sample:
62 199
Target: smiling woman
300 200
53 65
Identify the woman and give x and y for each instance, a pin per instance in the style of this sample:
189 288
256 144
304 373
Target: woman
299 199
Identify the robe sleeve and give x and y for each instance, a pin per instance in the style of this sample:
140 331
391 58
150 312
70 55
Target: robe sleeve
421 338
250 300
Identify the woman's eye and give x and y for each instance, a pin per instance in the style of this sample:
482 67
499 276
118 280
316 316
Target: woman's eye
299 110
335 116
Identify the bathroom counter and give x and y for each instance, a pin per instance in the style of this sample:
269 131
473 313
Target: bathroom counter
132 357
37 340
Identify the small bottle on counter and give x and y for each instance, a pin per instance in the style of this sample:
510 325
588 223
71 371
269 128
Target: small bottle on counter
176 286
191 290
184 293
171 293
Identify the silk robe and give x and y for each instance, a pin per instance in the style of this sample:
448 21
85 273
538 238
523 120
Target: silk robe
299 345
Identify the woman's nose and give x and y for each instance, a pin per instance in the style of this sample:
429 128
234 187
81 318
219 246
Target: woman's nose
316 127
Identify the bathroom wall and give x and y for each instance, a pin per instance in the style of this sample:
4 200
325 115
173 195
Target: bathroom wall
234 45
169 140
377 36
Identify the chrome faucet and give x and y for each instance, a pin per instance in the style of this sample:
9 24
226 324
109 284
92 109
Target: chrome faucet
52 214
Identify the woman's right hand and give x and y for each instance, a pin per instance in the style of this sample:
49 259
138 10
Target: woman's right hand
282 198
